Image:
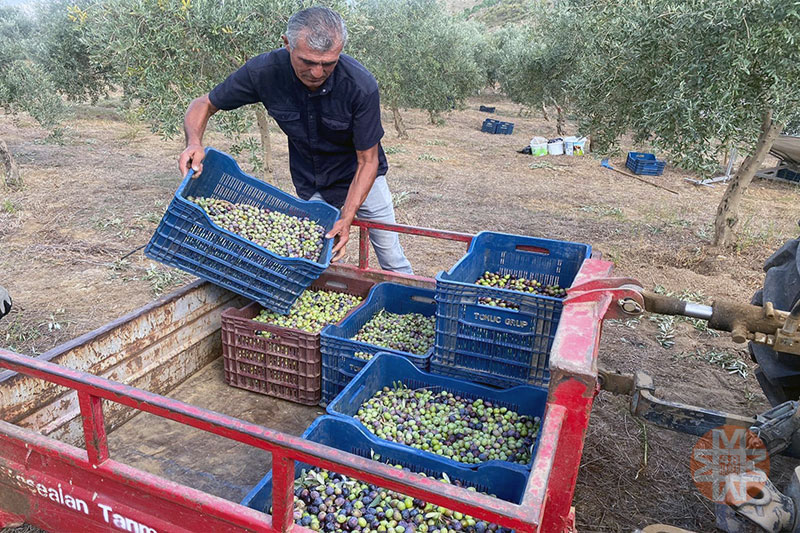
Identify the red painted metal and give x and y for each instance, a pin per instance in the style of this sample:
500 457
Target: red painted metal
94 428
28 459
283 447
573 385
364 226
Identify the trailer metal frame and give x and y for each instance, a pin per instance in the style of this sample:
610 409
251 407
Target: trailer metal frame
60 487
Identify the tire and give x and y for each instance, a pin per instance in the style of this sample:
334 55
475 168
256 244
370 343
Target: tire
778 373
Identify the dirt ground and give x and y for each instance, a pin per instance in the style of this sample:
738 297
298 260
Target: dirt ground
69 256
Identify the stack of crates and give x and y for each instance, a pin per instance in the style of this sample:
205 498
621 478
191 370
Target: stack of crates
343 356
510 344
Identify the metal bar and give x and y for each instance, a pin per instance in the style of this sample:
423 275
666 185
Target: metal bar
363 248
416 230
573 385
94 428
282 493
290 447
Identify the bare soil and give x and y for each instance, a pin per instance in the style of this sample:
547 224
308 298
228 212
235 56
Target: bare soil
93 196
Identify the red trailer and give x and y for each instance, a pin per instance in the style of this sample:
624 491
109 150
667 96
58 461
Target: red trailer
130 428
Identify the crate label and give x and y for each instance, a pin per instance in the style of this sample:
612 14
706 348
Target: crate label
483 316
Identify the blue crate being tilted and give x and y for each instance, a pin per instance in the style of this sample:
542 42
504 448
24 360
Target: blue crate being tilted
187 239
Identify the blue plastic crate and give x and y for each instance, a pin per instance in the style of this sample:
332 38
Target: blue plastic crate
187 239
644 163
503 480
339 364
505 128
385 370
788 175
489 125
500 346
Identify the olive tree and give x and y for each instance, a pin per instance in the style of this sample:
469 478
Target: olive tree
168 52
538 59
693 78
422 57
25 85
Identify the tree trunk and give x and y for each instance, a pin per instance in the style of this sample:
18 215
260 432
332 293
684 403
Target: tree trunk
398 123
728 209
544 113
12 178
559 119
266 145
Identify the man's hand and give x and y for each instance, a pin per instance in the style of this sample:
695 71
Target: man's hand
340 231
5 302
192 158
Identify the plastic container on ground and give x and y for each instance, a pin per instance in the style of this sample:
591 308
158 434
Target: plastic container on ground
287 364
387 370
644 163
503 480
489 125
538 146
505 128
579 146
569 145
555 148
187 239
486 109
494 345
338 348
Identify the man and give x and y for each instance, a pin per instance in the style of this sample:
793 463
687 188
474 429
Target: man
328 105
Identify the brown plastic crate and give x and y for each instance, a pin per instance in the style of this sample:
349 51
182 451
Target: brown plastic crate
286 365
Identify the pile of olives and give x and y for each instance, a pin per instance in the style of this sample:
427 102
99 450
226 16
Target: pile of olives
326 501
285 235
465 430
515 283
312 311
413 332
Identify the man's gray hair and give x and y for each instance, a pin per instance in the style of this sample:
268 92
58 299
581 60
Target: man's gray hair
323 27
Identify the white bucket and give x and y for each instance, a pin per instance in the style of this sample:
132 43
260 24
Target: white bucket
538 146
579 146
569 145
556 148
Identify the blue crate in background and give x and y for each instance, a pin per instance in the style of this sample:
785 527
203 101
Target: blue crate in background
495 345
487 109
788 175
187 239
338 348
644 163
505 128
489 125
387 370
497 478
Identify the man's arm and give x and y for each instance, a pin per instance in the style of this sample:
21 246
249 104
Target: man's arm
194 126
366 172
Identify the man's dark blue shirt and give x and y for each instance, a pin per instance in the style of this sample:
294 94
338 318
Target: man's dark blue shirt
325 127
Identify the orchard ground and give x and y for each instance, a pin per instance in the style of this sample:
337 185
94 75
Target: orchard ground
97 191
